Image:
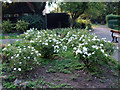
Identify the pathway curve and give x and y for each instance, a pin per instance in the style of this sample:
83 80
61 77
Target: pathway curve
104 32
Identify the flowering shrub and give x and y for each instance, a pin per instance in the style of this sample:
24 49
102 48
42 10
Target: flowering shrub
88 48
46 42
21 57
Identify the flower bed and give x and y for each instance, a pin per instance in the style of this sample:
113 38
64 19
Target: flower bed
24 56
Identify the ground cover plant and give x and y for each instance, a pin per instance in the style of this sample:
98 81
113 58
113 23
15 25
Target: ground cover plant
57 50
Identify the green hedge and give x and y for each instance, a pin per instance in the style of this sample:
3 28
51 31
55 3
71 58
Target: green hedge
113 21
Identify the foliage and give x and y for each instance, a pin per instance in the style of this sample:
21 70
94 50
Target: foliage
35 21
20 57
83 24
108 8
68 43
113 21
7 26
112 17
75 9
21 26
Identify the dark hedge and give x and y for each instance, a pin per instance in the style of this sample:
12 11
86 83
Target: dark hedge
113 21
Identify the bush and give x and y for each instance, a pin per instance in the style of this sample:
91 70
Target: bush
35 21
83 24
112 17
21 57
7 26
87 48
113 21
21 26
45 41
88 27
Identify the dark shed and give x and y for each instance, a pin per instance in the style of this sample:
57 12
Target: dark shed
58 20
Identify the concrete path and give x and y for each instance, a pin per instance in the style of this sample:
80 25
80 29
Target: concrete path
104 32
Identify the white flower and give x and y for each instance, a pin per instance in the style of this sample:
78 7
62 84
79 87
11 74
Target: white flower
74 48
93 52
89 54
50 40
14 69
46 43
12 57
94 46
17 55
28 57
31 41
56 47
36 51
32 47
19 69
4 49
38 54
8 44
28 46
78 51
80 45
32 53
24 48
84 56
72 45
84 49
65 48
20 62
101 44
106 55
102 50
58 35
90 30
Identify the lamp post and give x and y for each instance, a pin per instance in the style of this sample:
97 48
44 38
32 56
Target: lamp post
44 13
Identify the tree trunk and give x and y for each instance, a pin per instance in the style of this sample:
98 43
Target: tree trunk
72 22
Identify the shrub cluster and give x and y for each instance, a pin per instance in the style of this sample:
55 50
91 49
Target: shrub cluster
6 26
87 48
83 24
20 26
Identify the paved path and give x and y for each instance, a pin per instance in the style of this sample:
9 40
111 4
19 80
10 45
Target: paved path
6 41
104 32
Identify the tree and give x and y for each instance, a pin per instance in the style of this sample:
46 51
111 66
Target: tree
75 9
109 8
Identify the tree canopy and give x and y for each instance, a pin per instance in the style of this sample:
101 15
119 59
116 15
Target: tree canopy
75 9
